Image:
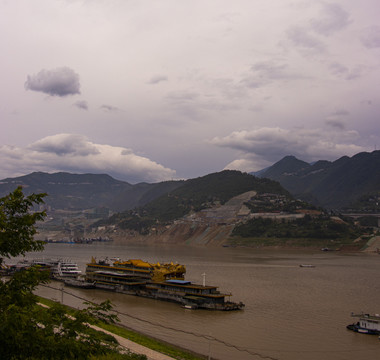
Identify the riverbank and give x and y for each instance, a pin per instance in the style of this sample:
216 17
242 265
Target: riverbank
217 235
138 343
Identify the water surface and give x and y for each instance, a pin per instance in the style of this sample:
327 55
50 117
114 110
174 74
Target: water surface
291 312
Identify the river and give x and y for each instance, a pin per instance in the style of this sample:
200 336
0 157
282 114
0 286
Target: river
291 312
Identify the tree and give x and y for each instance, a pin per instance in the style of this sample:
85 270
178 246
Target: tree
17 223
28 330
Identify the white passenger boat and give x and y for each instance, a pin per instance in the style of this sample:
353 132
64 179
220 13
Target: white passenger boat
60 268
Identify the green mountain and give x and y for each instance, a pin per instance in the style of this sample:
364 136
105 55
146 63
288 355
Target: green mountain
194 195
86 191
333 185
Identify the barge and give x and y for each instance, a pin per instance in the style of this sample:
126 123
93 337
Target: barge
157 281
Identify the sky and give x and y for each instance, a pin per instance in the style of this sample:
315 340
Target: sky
155 90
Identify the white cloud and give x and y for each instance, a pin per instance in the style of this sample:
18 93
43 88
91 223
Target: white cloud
248 164
75 153
265 146
171 74
65 145
57 82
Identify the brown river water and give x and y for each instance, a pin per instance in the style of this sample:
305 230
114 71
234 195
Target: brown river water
291 312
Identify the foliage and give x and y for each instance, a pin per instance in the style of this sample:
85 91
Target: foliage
277 203
370 221
320 227
28 330
101 312
366 204
17 223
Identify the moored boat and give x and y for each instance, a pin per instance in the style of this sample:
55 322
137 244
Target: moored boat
79 283
157 281
59 268
367 324
307 265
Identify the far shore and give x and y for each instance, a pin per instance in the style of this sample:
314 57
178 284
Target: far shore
370 244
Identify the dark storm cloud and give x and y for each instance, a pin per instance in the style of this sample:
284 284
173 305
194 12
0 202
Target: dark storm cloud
57 82
370 37
81 104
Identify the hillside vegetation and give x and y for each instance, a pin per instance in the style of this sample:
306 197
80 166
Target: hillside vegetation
318 229
193 196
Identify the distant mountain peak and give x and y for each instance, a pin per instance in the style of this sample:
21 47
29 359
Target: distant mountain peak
286 166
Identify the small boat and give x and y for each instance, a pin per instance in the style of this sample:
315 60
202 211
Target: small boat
79 283
367 324
307 265
190 307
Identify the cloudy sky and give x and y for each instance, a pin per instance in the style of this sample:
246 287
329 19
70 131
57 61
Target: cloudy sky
148 90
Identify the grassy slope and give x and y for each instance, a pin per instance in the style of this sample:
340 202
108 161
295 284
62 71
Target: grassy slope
144 340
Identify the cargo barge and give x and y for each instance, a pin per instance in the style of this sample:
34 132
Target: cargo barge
157 281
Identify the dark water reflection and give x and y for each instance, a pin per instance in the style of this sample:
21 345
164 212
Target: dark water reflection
291 312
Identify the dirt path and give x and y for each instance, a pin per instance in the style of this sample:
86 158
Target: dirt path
373 245
136 348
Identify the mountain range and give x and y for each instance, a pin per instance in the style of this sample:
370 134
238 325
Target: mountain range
334 185
85 191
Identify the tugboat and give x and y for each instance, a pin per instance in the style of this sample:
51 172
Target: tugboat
157 281
367 324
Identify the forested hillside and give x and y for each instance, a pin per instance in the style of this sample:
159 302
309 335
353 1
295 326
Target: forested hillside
193 196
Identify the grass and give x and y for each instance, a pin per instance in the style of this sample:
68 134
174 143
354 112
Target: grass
144 340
